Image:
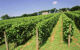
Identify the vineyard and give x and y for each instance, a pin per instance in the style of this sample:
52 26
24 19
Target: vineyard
56 31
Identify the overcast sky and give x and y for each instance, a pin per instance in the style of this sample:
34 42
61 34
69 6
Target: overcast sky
19 7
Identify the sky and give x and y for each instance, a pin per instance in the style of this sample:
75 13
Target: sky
19 7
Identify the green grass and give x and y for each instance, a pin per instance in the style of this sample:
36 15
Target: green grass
3 46
31 46
76 34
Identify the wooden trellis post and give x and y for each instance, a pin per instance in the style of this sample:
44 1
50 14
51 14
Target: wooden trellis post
37 42
6 42
69 35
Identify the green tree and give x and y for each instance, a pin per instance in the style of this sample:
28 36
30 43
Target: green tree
75 8
53 10
64 9
24 15
5 17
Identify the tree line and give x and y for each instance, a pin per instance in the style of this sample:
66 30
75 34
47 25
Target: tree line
6 16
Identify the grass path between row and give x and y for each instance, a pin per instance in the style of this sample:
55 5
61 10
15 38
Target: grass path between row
58 43
30 45
57 33
52 37
76 36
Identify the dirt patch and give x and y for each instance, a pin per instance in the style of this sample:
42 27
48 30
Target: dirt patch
77 44
52 38
61 33
75 41
28 43
53 34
